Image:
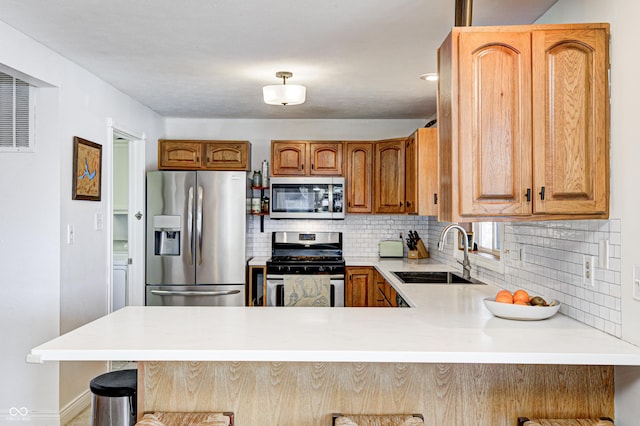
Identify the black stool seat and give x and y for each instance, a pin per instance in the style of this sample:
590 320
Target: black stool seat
115 383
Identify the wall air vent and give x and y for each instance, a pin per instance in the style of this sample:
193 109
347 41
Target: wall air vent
16 114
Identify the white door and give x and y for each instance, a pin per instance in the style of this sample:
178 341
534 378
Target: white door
127 205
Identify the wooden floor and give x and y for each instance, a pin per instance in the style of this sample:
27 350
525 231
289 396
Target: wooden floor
82 419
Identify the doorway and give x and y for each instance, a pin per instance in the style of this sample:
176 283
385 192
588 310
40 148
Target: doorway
126 221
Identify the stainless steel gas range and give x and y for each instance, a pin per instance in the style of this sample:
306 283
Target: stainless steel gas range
305 253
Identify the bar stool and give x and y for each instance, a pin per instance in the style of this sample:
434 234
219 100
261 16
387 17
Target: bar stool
161 418
378 420
113 399
602 421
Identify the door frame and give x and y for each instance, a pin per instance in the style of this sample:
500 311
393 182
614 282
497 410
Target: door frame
136 228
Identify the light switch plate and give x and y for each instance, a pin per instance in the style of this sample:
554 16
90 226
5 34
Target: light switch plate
636 282
98 221
70 234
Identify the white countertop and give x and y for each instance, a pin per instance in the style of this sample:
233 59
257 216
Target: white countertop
449 324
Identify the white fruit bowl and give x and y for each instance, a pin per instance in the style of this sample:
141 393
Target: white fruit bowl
521 312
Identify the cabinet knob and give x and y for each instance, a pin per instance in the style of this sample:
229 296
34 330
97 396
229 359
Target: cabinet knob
408 203
400 203
435 198
541 193
528 194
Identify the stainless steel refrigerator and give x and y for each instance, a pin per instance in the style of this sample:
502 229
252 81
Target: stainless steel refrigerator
196 238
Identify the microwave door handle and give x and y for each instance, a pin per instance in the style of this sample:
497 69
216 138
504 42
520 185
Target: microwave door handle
190 224
199 226
331 198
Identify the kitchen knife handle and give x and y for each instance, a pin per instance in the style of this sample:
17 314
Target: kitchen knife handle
199 225
190 225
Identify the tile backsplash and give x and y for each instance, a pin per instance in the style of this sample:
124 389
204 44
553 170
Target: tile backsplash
551 265
360 233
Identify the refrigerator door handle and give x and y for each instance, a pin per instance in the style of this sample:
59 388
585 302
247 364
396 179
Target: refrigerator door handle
193 293
190 224
199 225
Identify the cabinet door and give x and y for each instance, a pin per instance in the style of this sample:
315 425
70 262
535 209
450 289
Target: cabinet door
389 176
179 155
227 156
326 158
494 123
427 171
571 110
288 158
357 285
411 175
359 177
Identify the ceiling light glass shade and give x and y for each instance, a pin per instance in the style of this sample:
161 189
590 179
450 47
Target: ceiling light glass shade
284 94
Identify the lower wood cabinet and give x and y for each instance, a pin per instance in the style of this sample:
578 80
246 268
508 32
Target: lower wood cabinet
358 282
203 155
366 287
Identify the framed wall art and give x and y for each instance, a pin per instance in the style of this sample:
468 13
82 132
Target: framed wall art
87 170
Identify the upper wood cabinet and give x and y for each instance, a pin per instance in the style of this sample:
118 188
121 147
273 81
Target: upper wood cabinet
203 155
306 158
359 177
421 172
389 176
523 123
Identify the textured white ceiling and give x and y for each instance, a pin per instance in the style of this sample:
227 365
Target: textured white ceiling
210 58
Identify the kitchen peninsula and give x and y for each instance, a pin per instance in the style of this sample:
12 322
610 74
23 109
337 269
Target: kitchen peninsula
446 357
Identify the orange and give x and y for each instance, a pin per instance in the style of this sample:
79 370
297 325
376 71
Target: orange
504 296
521 295
520 302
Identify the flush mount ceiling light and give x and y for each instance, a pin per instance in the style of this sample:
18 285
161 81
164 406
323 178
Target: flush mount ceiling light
430 76
284 94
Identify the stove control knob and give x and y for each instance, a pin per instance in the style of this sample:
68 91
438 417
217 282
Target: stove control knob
322 268
288 268
305 268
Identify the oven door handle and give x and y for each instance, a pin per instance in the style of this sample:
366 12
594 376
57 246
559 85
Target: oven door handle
281 277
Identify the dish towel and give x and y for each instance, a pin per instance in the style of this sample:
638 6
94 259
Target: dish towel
307 290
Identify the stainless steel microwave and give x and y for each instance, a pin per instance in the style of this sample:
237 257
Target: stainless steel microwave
307 198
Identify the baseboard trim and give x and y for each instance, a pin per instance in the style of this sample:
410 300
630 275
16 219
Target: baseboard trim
75 407
32 419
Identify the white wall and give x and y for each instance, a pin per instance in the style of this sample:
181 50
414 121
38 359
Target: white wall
51 287
29 276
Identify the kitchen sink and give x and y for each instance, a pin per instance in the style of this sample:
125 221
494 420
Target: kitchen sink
432 278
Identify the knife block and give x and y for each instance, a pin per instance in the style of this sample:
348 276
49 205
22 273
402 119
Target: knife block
421 251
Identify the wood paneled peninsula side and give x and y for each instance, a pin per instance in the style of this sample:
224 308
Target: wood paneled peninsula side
445 357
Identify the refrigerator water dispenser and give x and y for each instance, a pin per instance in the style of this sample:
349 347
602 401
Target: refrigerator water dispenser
167 235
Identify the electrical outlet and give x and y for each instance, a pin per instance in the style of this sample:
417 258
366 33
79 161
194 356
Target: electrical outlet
587 270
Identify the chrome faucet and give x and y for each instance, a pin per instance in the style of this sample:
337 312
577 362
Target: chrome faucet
466 265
